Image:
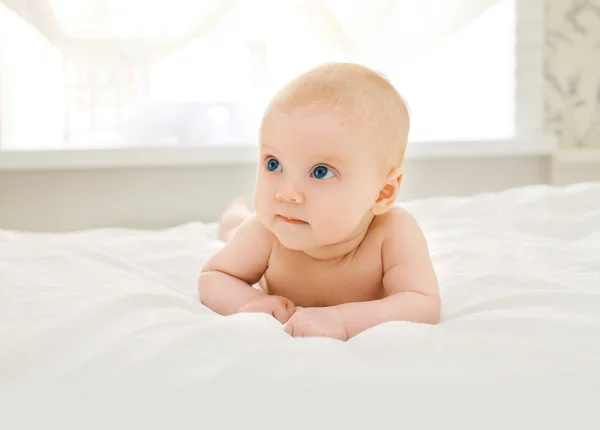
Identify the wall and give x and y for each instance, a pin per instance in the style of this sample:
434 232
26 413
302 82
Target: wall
572 87
572 72
154 198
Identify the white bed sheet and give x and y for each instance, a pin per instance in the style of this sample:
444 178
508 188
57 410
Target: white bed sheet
519 273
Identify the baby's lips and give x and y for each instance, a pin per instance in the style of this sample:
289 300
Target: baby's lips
292 220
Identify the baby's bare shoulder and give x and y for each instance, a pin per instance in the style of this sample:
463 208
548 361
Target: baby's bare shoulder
253 228
407 264
399 229
394 221
396 228
246 254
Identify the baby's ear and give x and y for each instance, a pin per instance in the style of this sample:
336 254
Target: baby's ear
388 193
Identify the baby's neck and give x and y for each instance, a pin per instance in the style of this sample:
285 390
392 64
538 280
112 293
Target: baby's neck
336 252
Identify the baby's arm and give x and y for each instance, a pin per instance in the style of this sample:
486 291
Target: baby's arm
226 280
409 281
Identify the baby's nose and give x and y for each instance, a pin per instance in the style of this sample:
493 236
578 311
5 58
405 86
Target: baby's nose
289 192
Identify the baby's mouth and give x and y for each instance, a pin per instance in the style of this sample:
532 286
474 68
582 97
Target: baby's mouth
291 220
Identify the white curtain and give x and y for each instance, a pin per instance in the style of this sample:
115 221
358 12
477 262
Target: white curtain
401 27
368 28
120 30
449 58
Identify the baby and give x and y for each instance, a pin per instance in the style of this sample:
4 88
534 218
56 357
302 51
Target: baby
328 253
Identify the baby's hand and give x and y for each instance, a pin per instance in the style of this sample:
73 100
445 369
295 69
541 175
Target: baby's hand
280 307
321 322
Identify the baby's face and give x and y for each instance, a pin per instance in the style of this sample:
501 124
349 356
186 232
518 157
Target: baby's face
316 180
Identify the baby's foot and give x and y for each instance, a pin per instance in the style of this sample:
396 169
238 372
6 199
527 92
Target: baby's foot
235 214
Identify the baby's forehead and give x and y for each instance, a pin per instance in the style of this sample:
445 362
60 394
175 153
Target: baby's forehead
328 129
310 139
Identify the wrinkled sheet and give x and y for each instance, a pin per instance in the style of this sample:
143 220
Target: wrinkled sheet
519 272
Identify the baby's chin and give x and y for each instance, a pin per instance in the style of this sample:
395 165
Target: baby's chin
296 238
301 238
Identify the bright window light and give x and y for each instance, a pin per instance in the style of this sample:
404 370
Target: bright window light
212 89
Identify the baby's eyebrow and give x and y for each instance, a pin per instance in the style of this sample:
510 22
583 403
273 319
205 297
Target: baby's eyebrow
265 147
330 159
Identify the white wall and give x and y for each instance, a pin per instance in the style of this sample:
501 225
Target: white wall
159 197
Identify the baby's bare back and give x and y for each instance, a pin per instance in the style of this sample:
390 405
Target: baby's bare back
307 282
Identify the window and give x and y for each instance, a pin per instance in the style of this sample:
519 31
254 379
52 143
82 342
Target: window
106 73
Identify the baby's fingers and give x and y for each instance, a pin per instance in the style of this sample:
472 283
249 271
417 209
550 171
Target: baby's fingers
290 307
289 328
296 327
282 313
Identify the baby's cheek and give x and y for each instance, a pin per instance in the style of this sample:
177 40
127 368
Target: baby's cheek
338 222
262 196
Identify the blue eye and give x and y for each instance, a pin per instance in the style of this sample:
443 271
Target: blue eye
273 165
322 172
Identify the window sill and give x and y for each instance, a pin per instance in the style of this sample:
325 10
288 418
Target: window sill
247 155
577 156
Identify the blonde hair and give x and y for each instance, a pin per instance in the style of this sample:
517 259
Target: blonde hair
358 95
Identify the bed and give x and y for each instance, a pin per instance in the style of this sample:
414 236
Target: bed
520 280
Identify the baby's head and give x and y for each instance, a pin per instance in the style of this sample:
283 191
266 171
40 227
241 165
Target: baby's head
332 144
